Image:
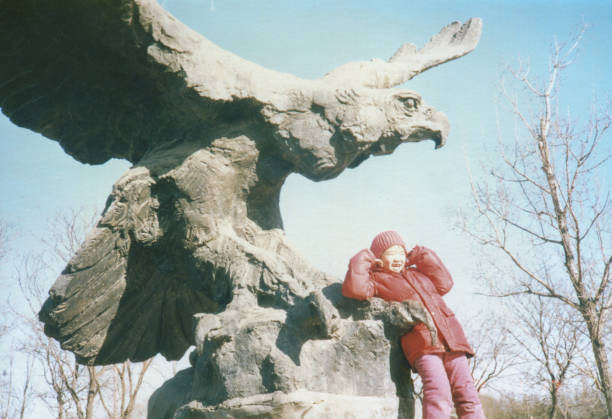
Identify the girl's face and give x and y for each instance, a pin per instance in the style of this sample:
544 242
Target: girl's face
394 259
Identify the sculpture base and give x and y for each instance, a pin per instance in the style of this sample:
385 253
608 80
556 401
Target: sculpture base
299 404
326 356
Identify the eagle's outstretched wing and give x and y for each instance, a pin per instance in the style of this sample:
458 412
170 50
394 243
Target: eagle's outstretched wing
113 78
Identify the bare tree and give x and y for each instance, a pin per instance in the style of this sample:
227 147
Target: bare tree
122 388
15 394
67 388
15 397
546 333
71 387
583 402
495 355
546 209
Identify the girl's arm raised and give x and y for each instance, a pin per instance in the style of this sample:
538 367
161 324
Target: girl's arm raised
428 263
357 283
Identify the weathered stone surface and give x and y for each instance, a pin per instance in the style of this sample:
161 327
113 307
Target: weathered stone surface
194 227
325 356
299 404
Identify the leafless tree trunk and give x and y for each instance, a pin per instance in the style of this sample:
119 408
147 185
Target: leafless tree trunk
60 406
122 388
545 212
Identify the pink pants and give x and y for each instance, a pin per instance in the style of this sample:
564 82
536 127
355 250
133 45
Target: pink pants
444 375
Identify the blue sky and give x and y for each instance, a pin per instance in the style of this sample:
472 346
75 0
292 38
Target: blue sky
417 190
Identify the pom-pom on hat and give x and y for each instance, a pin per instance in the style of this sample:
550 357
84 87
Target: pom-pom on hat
385 240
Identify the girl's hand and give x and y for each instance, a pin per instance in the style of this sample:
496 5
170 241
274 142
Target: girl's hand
378 263
411 254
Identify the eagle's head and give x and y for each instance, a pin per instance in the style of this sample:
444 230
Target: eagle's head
324 131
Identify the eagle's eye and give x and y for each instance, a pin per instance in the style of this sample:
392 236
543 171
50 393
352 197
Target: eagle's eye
411 101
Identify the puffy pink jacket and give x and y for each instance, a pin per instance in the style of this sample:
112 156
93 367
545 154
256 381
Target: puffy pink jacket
426 282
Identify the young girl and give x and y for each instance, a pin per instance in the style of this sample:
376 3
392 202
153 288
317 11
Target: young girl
387 271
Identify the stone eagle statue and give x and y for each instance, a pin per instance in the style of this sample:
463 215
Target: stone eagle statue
193 230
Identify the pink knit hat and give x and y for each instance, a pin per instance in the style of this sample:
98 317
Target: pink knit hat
385 240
